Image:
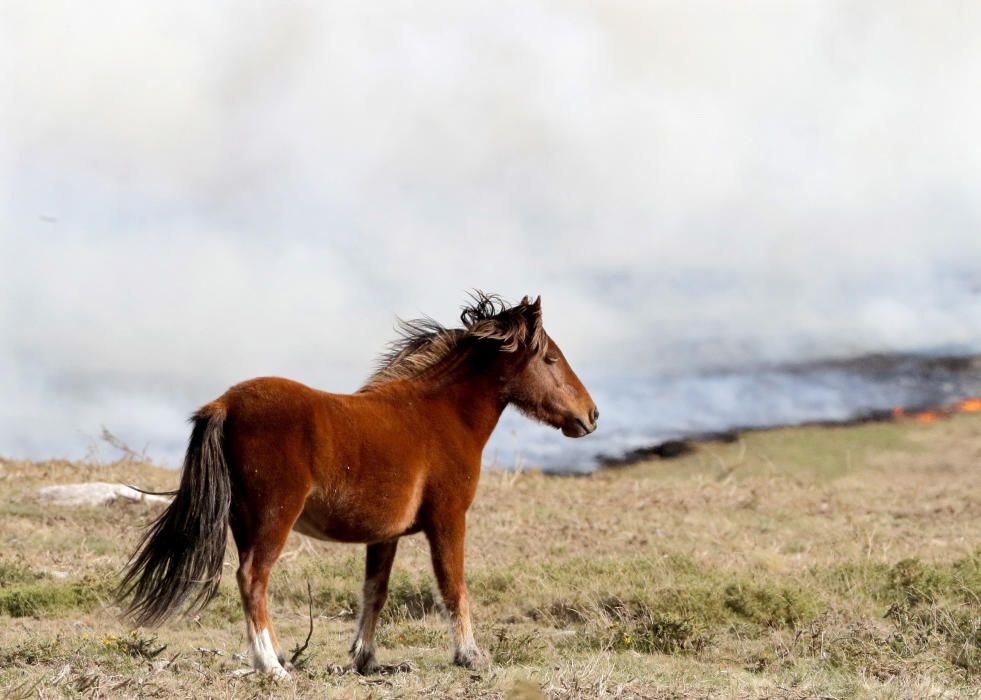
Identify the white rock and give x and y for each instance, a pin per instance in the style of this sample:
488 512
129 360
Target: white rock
95 493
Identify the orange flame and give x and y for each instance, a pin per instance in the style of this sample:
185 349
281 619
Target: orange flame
969 406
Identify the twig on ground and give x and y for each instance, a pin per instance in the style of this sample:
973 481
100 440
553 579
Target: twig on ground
298 651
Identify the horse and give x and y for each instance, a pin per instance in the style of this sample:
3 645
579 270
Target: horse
401 455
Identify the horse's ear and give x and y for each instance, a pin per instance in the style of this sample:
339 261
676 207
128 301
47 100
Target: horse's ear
534 310
524 301
537 331
533 313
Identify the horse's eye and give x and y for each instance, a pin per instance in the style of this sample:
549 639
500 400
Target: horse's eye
551 359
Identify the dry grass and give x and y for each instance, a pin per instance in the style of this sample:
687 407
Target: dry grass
796 563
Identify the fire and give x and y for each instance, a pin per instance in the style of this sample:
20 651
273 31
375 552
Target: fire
971 405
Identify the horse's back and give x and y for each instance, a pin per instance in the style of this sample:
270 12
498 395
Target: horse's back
275 404
266 392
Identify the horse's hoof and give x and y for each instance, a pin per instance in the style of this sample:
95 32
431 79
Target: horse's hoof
367 667
473 659
363 657
278 673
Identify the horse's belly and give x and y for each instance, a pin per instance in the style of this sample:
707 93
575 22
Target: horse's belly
346 515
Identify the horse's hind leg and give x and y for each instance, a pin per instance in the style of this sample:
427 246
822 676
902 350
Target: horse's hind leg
259 548
378 567
253 577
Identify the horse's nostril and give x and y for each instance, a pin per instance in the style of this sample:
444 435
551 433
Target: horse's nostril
594 414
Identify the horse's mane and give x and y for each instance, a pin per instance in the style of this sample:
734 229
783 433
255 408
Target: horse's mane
423 342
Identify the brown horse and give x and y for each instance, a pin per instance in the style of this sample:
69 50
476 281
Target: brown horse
400 456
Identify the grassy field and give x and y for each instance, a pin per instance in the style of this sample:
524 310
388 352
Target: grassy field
828 562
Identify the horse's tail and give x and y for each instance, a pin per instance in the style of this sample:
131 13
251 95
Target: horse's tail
180 557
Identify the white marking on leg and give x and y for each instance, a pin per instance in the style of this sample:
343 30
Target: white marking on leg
465 649
363 647
462 628
264 658
361 650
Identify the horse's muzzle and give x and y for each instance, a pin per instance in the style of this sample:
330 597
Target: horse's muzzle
577 426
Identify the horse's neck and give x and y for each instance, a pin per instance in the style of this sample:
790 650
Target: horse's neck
474 399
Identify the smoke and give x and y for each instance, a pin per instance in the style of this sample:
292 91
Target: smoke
195 194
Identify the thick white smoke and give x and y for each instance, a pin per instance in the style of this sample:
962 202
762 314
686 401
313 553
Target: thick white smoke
195 194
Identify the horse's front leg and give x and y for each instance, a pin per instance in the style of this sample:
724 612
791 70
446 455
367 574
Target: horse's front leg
446 538
378 567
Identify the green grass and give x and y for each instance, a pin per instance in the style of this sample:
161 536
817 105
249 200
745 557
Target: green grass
51 598
795 563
